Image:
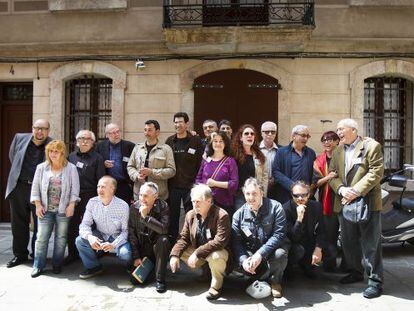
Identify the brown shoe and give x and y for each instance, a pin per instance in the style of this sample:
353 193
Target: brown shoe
276 290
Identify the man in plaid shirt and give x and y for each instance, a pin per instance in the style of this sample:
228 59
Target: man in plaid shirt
110 216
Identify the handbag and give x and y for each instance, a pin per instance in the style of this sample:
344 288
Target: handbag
357 211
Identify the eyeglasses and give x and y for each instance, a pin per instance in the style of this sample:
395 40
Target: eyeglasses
269 132
36 128
208 127
114 132
304 135
84 139
300 195
327 140
248 134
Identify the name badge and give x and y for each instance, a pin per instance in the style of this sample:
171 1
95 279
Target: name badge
125 159
256 162
191 151
79 164
208 234
247 232
208 159
358 161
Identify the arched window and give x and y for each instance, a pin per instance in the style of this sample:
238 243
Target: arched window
88 106
388 116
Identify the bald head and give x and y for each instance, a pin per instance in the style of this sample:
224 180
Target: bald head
40 131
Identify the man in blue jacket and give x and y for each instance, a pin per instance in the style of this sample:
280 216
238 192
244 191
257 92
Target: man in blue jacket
258 232
292 163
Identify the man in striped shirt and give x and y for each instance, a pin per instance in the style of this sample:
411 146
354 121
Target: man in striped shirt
110 216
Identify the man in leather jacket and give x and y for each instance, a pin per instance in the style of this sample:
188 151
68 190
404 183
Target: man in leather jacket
148 232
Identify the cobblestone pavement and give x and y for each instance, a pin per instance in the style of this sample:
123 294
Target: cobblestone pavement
112 290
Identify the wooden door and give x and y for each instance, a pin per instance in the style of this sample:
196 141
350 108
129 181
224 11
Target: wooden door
239 95
16 117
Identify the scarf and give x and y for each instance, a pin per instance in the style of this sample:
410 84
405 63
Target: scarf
325 193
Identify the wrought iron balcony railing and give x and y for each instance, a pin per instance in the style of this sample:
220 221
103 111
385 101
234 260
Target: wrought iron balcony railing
179 13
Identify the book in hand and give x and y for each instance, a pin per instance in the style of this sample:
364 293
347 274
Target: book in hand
143 270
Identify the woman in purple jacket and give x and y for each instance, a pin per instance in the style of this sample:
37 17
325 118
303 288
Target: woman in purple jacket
219 171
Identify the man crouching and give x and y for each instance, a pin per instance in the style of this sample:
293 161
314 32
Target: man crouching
204 237
148 232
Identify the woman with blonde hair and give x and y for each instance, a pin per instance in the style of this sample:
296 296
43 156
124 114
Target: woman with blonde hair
55 191
250 160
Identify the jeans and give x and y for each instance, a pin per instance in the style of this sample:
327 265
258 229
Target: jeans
88 254
45 228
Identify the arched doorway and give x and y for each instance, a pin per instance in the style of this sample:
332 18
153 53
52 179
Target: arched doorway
239 95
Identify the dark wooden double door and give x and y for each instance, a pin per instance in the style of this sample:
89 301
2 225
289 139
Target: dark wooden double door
16 117
239 95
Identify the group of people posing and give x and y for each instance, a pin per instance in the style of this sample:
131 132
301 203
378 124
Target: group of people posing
250 207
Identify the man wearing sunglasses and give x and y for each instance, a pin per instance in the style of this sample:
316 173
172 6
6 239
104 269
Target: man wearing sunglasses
304 230
292 163
269 149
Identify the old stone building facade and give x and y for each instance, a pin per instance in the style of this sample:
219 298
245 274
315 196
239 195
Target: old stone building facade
74 63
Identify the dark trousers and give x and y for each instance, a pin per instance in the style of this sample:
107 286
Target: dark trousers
20 210
301 253
75 221
159 254
330 251
175 197
124 191
363 241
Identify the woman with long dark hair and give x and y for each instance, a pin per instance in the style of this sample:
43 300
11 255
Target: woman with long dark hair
219 171
250 160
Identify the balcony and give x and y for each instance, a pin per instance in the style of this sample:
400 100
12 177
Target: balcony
237 26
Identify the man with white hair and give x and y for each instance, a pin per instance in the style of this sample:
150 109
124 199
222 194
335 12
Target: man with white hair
292 163
204 239
148 232
90 166
359 165
116 153
269 149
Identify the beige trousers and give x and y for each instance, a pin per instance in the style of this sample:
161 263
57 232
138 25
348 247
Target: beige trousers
217 261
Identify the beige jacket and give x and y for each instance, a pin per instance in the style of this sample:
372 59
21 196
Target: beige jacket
161 161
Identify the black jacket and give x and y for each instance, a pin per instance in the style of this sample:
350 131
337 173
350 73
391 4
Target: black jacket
126 149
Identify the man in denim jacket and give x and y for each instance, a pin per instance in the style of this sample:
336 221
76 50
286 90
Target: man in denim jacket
258 230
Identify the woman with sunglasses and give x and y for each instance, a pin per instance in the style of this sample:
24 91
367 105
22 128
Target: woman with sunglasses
321 177
250 160
55 191
219 171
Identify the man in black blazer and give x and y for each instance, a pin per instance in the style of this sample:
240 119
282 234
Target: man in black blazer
27 150
116 152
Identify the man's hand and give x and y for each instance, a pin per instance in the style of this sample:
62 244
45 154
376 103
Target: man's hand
332 175
107 247
348 195
316 256
70 209
247 266
144 210
192 260
94 242
137 262
300 210
109 163
144 172
255 261
174 263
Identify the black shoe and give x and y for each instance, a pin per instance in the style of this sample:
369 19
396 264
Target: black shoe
57 269
88 273
160 287
36 272
16 261
352 278
372 292
70 259
213 294
309 271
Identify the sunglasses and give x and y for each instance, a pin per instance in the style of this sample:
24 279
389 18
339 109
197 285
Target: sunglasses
248 134
269 132
300 195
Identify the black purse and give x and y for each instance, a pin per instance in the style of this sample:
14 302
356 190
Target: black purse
357 211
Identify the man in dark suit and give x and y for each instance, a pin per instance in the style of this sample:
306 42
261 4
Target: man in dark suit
116 152
26 152
359 165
